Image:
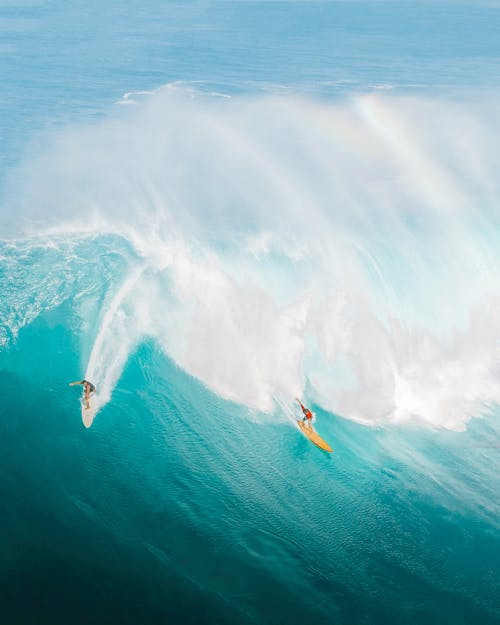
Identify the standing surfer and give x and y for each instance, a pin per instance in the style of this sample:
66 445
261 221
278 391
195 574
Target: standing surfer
308 415
88 390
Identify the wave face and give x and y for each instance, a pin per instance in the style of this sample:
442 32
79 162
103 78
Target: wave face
271 245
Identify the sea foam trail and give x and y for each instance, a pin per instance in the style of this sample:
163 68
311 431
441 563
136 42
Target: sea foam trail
350 248
116 337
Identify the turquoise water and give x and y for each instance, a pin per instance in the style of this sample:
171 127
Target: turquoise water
209 208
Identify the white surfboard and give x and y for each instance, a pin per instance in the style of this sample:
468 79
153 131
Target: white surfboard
89 413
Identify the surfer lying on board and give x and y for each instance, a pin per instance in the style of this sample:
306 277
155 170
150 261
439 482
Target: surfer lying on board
308 415
88 389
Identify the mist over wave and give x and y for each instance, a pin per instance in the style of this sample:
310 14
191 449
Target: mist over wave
273 246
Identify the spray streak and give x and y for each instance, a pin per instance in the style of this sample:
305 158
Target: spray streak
113 343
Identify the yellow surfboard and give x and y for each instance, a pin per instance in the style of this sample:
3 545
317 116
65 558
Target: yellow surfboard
314 437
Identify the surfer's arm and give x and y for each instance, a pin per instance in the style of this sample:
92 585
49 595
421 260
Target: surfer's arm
75 383
304 409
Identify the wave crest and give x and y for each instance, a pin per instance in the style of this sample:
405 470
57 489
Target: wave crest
281 243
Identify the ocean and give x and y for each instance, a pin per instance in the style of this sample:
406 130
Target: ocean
209 208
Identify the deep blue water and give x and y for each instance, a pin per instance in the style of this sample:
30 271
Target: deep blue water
175 508
309 207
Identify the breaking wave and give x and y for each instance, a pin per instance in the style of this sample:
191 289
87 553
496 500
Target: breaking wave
274 246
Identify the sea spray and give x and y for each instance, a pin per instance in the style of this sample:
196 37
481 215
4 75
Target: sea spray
349 246
115 339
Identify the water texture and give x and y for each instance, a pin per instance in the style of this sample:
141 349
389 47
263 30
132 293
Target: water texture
209 209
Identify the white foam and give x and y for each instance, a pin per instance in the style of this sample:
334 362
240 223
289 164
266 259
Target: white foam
348 246
117 335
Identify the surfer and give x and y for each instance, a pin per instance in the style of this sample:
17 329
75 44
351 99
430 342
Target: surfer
88 389
308 415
